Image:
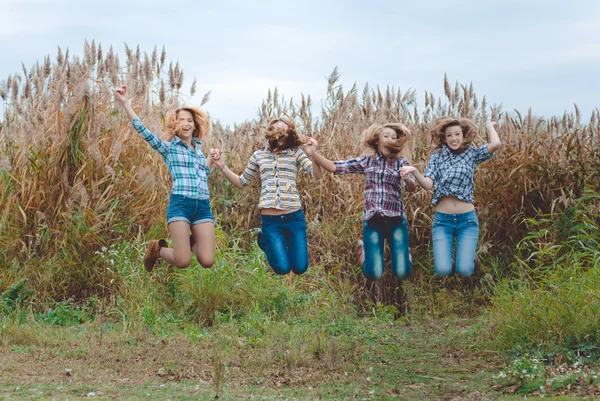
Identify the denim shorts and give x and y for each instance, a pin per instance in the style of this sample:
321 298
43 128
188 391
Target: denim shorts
193 211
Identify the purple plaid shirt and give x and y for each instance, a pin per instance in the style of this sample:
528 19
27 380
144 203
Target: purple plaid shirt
383 187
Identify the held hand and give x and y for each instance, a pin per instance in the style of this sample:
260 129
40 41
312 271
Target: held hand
310 145
406 170
216 154
121 94
217 157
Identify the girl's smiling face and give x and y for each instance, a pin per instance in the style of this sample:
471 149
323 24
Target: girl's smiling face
454 137
186 124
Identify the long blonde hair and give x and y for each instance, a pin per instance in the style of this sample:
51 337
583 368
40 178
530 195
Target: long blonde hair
396 147
469 130
201 122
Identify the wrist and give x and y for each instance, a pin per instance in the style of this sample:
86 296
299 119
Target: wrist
222 167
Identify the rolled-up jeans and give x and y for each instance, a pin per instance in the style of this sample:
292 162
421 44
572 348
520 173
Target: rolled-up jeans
394 230
464 228
284 242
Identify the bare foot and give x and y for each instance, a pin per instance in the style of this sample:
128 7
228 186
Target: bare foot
360 252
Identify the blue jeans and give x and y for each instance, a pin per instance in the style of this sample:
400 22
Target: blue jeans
284 242
395 231
463 227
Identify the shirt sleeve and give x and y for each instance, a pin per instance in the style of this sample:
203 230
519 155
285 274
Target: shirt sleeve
350 166
303 161
432 167
251 170
482 154
155 142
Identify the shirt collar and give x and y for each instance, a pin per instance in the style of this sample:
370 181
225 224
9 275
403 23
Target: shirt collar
195 141
281 152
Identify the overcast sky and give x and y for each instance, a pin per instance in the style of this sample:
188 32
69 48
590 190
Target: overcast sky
544 54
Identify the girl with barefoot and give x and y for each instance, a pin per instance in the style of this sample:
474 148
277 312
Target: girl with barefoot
189 207
450 173
384 217
283 233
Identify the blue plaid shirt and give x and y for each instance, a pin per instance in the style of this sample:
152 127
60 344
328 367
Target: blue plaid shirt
452 174
187 166
383 184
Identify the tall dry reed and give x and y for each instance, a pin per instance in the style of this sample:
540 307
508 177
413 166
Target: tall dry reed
75 176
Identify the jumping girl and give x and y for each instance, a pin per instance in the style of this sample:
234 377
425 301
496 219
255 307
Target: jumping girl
450 173
189 206
384 217
283 233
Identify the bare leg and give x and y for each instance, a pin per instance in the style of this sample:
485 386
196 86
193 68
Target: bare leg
204 243
180 255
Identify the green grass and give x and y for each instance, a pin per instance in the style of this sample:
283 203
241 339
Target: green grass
239 331
363 357
552 305
354 358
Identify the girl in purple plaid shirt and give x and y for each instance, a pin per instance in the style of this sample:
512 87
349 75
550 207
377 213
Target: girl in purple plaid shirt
450 173
384 218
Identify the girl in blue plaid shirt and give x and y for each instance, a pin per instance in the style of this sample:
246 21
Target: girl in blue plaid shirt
450 173
283 233
189 207
384 218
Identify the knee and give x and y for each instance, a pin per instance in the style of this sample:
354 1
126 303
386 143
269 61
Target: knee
300 270
281 269
443 272
464 271
205 262
182 263
402 274
280 272
371 275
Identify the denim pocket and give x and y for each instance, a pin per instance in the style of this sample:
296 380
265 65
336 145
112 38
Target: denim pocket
176 200
473 221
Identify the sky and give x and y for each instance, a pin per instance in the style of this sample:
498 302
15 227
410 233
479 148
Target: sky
518 53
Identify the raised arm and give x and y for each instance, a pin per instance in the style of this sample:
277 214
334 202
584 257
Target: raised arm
494 142
123 98
154 141
424 182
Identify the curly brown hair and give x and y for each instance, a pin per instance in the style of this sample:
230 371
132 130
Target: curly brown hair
201 121
469 130
370 138
280 139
